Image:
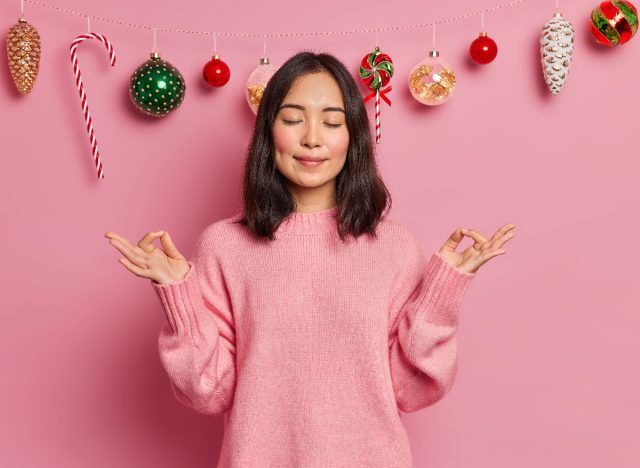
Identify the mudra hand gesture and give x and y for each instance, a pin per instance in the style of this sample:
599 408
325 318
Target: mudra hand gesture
161 265
470 259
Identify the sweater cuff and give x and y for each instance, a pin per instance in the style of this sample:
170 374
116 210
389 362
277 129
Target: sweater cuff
178 298
446 285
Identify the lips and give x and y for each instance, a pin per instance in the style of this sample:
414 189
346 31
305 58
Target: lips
309 158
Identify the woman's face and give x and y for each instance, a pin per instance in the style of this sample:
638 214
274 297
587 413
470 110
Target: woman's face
311 122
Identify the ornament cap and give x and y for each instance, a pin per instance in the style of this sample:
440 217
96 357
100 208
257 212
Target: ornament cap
483 34
264 60
154 55
22 19
434 53
215 57
558 14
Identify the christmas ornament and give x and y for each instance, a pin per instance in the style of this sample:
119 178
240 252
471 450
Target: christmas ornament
257 82
216 72
483 49
376 70
614 22
556 49
156 87
432 81
23 54
83 97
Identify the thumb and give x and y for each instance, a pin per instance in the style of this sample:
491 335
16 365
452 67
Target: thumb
169 247
454 240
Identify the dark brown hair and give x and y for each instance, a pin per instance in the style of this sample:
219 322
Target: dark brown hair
362 198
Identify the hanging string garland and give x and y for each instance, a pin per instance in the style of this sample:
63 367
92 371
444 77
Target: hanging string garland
431 82
83 97
556 50
23 54
216 72
376 70
614 22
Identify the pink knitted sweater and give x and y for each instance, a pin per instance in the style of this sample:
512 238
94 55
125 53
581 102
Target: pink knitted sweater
309 346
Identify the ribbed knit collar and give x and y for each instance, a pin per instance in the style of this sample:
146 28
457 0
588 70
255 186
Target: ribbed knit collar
309 223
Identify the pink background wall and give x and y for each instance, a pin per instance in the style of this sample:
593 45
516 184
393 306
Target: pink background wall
548 373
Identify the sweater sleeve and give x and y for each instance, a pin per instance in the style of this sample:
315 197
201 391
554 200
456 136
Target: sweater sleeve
197 343
425 302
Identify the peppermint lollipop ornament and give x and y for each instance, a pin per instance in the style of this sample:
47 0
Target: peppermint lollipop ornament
376 71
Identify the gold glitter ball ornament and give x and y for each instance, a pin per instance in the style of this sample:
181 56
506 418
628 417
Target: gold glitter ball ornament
257 82
432 81
23 54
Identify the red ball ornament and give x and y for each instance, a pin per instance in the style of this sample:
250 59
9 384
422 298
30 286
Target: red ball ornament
483 49
216 72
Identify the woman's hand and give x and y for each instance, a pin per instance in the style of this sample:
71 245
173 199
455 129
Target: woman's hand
162 265
480 252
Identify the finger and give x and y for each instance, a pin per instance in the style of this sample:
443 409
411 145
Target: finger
454 240
133 254
478 239
492 253
145 243
123 241
132 248
169 247
502 231
477 261
475 235
112 235
142 272
498 243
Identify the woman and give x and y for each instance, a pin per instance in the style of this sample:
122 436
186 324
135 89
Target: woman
310 320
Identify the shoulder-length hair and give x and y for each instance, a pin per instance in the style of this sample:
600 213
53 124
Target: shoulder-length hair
362 197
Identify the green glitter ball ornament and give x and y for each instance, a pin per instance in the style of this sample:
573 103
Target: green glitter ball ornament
157 87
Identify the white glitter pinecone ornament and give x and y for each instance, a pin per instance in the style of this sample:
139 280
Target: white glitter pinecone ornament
556 49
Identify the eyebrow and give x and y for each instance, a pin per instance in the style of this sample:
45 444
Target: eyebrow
326 109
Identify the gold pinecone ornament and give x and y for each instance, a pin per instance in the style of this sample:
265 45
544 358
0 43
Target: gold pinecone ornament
23 53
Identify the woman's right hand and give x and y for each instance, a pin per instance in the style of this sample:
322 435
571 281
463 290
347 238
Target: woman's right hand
161 265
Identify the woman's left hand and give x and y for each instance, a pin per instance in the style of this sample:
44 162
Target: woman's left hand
480 252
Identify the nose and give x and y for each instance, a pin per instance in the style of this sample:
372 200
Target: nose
310 137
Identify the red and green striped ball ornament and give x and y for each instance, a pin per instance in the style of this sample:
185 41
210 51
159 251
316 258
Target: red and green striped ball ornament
156 87
614 22
376 70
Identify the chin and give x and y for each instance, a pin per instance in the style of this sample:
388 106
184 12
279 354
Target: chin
308 182
312 184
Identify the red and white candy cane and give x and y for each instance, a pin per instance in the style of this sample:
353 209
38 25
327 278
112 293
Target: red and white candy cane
83 96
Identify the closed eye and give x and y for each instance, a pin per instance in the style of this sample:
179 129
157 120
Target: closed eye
291 122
